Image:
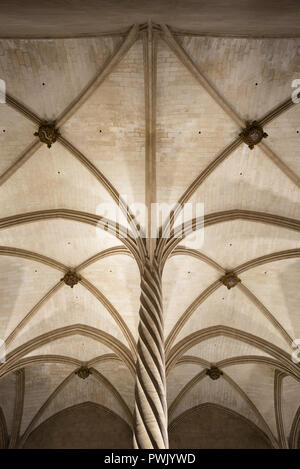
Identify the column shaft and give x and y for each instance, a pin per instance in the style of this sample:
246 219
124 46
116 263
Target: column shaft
150 394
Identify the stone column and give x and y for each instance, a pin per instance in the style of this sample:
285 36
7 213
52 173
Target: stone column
151 419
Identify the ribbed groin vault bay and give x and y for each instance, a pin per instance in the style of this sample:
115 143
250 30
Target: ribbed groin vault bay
114 340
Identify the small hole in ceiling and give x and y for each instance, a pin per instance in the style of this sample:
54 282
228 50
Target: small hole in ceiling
43 84
222 298
58 172
3 130
69 242
35 270
241 174
265 273
199 132
230 244
189 272
297 131
256 84
110 270
100 131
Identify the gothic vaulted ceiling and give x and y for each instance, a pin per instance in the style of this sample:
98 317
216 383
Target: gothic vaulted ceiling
101 93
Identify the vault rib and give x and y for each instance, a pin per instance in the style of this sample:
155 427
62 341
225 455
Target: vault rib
32 312
69 111
271 318
113 390
251 404
99 377
113 251
295 430
244 359
63 359
193 360
220 217
104 358
183 251
109 188
96 334
198 377
279 163
100 222
137 248
272 257
24 254
3 430
240 35
22 160
111 63
188 313
91 168
43 408
278 378
281 108
22 109
195 71
189 385
236 360
113 312
150 64
91 288
195 185
207 171
27 361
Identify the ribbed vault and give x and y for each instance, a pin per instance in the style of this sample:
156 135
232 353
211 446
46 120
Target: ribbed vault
149 117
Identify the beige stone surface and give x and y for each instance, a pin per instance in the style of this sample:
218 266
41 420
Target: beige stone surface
290 393
257 381
65 241
241 241
22 291
279 294
7 399
89 17
16 133
86 426
78 390
76 346
40 382
216 428
219 392
117 277
117 108
234 66
117 373
193 276
66 307
252 182
29 190
233 311
249 339
52 72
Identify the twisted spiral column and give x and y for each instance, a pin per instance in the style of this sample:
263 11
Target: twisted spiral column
150 393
